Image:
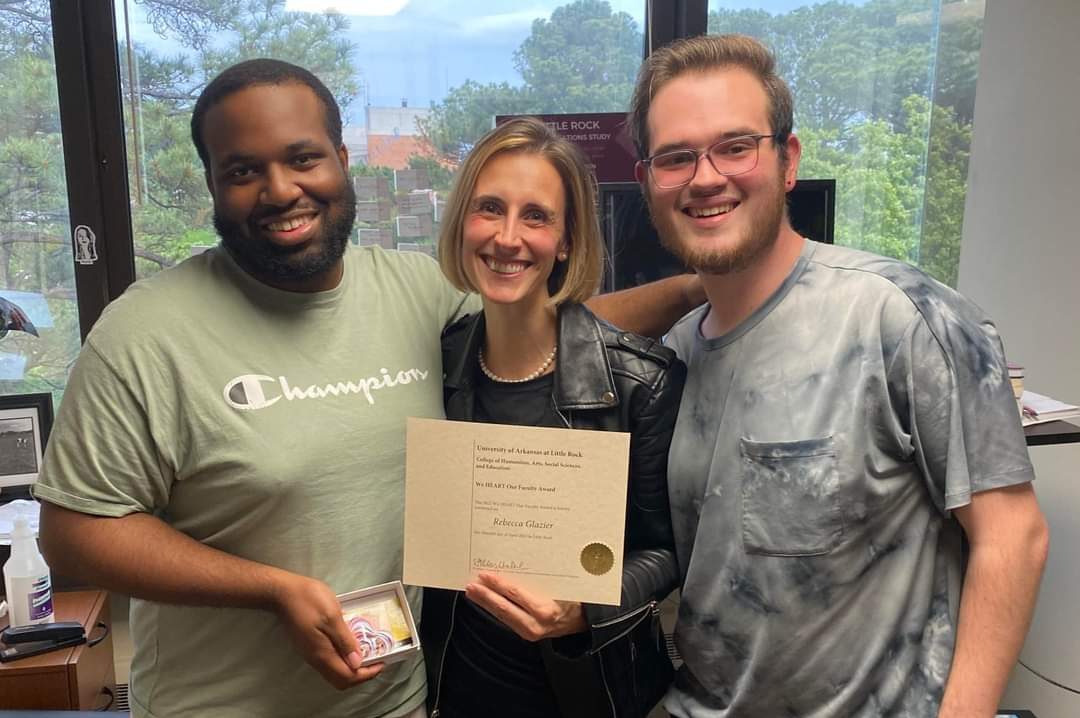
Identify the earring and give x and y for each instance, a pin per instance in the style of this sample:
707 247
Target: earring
562 256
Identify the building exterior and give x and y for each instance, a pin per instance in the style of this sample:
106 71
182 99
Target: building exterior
356 141
393 136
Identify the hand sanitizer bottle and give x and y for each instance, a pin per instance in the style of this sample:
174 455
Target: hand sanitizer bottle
26 579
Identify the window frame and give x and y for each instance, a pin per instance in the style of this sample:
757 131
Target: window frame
670 20
95 159
92 125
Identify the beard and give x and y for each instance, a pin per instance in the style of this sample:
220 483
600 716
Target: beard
292 264
753 242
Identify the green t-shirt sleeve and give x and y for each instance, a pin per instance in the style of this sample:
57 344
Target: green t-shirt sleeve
452 303
101 458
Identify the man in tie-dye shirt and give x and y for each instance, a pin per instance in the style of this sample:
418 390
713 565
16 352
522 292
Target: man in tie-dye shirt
846 423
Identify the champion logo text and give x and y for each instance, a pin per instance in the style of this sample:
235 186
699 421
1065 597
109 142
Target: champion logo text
250 392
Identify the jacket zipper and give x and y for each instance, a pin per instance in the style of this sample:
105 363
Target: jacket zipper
652 608
442 659
566 418
607 688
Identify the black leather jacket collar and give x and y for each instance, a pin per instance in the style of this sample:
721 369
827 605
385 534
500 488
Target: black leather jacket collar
587 385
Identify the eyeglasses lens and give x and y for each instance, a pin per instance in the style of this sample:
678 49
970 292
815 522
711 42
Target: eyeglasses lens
731 157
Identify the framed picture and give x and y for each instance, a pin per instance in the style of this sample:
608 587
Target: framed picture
25 422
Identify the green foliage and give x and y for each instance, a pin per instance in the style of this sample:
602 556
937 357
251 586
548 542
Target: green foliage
262 28
24 27
172 210
946 190
879 176
958 68
583 59
359 170
441 177
195 21
468 111
34 249
844 63
861 76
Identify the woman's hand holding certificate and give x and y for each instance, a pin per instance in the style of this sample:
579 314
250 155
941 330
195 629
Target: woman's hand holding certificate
530 616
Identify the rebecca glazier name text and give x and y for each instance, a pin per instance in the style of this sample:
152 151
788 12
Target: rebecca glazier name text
529 524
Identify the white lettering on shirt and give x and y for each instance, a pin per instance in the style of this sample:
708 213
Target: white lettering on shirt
247 393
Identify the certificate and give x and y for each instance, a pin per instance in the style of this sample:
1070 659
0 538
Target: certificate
546 507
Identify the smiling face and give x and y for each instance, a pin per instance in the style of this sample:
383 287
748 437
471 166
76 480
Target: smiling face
283 204
514 228
716 223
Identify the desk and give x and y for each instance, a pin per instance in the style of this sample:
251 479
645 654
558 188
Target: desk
80 677
1052 432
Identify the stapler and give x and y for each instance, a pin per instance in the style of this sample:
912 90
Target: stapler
33 648
58 631
26 641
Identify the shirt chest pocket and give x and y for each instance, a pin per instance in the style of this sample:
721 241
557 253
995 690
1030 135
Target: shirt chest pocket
790 497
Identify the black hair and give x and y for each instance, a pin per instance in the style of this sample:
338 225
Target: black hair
261 71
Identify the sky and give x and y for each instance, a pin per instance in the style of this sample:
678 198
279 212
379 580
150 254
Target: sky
417 50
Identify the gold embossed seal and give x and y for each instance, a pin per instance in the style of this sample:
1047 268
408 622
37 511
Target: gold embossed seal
597 558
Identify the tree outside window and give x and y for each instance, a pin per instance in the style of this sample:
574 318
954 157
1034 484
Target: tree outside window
884 98
37 279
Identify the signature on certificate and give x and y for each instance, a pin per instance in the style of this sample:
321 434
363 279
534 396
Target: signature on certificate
480 562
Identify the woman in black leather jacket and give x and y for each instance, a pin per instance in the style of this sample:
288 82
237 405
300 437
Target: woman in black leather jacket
521 230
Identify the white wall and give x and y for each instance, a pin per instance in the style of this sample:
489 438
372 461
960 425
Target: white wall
1020 260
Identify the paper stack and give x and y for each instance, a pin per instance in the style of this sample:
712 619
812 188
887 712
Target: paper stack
1039 409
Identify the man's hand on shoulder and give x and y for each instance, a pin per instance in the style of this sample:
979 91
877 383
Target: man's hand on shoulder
312 616
650 309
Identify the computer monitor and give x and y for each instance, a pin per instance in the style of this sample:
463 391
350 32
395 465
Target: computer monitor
634 253
812 208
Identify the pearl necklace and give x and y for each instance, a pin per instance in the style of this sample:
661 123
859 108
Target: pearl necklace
495 377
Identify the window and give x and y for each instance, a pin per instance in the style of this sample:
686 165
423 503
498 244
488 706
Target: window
884 97
37 283
418 83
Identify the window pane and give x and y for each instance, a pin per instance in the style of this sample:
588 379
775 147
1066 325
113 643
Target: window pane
418 82
37 279
884 95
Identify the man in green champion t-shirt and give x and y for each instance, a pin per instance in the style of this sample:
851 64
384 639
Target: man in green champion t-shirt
230 448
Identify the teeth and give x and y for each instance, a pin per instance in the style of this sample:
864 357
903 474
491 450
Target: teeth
288 224
710 211
504 267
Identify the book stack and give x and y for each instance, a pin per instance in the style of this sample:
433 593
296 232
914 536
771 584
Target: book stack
1016 378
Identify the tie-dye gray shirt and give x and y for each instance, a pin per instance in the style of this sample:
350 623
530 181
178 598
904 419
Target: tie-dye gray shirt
819 449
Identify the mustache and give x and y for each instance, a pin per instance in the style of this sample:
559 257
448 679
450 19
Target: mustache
264 212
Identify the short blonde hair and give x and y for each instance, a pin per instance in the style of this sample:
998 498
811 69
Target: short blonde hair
578 277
